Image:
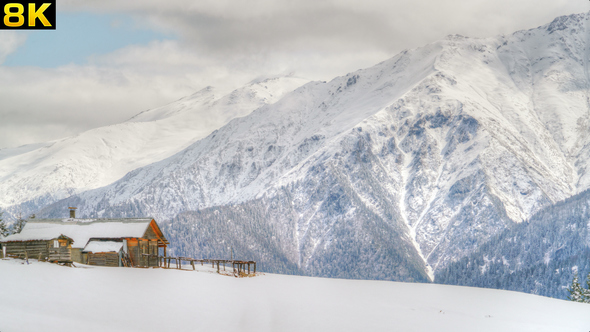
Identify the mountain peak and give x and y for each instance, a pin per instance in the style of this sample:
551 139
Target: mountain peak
567 22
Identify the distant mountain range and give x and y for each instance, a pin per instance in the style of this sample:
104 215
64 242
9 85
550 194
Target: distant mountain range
34 176
400 171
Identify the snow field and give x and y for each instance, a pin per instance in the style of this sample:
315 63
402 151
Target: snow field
43 296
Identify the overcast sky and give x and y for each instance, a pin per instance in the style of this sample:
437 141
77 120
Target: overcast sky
111 59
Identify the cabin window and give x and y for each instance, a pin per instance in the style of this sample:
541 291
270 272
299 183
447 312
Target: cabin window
63 244
56 244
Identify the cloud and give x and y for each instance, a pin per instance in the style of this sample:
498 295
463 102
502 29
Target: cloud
10 41
40 104
230 25
226 43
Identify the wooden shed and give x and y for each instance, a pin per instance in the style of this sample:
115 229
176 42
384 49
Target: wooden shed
54 249
104 253
105 242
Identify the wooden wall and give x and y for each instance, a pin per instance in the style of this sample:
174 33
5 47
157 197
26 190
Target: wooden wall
43 250
150 234
63 253
133 251
77 255
103 259
29 249
137 247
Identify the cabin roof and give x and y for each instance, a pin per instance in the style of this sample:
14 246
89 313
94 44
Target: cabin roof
103 246
82 230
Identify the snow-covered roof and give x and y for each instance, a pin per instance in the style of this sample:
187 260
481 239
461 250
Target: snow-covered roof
80 230
103 246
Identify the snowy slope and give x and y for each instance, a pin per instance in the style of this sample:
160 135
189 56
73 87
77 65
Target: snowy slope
424 157
47 297
540 256
36 175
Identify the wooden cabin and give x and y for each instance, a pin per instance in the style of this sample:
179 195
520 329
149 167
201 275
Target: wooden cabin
57 249
104 242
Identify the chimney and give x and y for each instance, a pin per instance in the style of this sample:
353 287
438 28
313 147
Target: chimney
72 212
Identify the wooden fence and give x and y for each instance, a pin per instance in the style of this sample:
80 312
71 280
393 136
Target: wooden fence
238 267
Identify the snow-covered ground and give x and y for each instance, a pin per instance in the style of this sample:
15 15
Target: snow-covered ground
47 297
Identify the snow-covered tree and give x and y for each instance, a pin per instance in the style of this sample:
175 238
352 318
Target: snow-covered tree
4 232
18 226
586 291
577 292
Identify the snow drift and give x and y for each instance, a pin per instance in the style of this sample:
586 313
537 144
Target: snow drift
47 297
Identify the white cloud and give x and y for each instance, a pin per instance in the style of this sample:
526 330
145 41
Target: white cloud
10 41
226 43
41 104
229 25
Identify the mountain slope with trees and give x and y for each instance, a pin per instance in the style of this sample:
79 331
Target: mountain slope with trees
395 171
539 256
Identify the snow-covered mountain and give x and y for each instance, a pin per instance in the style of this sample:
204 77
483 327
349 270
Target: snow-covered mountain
540 256
389 172
33 176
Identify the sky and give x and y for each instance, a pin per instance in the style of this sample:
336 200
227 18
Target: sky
109 60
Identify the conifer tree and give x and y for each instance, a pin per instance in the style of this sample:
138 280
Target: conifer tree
586 294
577 292
4 232
18 226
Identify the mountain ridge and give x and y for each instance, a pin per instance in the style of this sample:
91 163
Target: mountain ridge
36 175
409 165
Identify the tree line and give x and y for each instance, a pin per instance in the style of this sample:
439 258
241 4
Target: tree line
16 228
